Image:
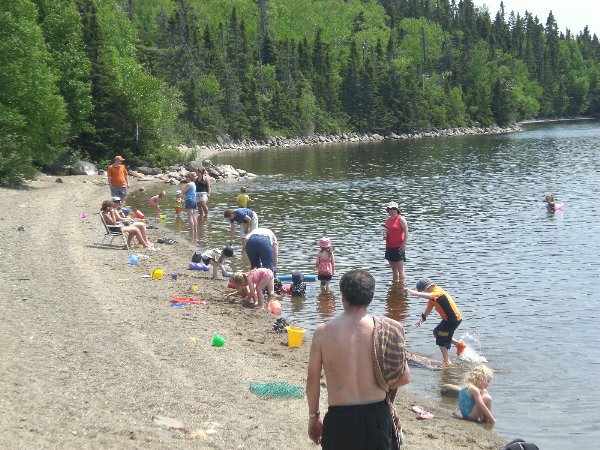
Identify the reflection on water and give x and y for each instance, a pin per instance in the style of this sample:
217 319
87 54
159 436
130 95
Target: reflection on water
474 205
326 304
396 300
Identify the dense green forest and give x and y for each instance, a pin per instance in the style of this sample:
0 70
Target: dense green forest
95 78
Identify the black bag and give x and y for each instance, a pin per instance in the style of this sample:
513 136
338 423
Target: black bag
197 257
520 444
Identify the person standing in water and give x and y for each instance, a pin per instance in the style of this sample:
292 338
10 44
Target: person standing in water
202 183
451 317
395 235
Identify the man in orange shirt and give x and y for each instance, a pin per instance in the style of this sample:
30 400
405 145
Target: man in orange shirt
117 178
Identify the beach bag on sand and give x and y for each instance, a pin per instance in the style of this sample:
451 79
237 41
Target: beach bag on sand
197 257
520 444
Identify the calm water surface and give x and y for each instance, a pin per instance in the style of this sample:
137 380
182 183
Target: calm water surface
523 279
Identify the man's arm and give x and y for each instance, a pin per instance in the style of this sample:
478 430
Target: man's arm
313 388
126 176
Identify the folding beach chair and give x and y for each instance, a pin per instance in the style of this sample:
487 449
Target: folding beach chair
112 232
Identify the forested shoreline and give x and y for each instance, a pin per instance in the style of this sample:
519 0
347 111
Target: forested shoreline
95 78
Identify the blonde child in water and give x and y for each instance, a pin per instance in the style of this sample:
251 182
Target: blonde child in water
155 199
179 204
325 263
243 199
474 401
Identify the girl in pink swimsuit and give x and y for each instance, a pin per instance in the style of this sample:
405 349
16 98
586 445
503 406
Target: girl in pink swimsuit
155 199
325 263
256 280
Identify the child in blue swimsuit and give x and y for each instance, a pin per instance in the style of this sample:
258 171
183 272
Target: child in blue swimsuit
474 401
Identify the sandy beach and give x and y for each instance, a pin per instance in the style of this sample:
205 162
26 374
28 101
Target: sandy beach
94 356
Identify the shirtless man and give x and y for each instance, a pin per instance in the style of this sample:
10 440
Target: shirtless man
358 415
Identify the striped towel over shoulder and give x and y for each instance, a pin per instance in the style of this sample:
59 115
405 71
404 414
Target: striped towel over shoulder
389 352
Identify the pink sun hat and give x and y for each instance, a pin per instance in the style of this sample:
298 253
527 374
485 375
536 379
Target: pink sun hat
324 242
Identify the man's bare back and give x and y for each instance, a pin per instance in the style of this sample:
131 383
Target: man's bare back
346 345
358 416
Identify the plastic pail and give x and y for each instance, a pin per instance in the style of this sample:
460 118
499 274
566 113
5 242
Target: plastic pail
157 274
295 335
138 214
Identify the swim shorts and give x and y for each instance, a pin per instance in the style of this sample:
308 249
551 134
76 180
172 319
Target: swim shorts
324 277
190 204
201 197
393 254
353 427
444 331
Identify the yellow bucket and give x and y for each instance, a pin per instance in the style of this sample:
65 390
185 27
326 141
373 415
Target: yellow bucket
157 274
295 335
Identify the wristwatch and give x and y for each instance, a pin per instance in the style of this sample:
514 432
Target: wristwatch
316 414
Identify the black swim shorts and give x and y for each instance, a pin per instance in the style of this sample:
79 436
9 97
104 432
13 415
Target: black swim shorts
357 427
393 254
444 331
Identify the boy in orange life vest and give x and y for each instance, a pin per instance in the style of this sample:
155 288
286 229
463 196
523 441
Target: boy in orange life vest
447 309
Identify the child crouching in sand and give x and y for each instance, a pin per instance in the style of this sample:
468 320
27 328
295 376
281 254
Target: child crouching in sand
214 257
255 281
474 401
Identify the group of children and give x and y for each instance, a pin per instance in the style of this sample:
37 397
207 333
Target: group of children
474 400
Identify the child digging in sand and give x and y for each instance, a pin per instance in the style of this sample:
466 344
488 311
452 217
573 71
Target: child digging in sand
447 309
474 401
214 257
255 281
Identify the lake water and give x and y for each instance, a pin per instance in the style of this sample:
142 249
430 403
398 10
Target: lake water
523 279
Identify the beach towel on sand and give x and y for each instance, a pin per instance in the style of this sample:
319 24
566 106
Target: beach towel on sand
389 362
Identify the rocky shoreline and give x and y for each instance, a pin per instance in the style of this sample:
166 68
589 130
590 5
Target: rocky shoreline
226 144
200 153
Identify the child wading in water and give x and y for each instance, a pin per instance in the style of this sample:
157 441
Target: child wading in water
325 263
179 204
155 199
243 199
550 205
474 401
447 309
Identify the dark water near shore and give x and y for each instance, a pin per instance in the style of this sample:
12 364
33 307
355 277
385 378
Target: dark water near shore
524 279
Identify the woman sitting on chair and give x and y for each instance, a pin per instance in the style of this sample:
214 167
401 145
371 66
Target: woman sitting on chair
137 229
